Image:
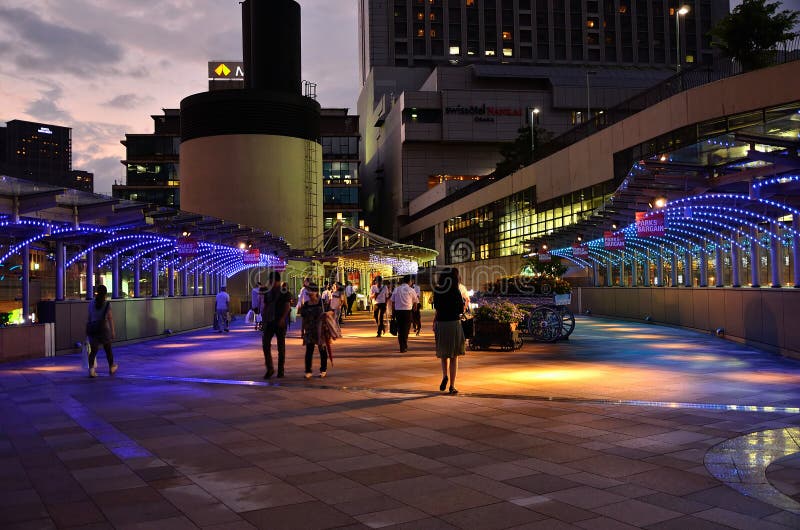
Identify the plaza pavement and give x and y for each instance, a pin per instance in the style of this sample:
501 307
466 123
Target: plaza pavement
625 425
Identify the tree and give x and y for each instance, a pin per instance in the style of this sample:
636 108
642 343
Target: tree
517 154
750 32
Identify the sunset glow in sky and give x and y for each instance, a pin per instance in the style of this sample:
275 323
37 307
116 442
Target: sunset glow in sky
104 67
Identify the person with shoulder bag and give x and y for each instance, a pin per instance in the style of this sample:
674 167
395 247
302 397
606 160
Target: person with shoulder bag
378 295
447 327
100 330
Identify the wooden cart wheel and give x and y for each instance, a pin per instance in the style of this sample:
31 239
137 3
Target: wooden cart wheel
567 322
545 324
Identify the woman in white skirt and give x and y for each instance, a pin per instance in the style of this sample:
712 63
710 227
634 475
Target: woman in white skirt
449 305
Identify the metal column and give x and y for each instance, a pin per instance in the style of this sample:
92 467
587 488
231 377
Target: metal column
595 275
26 281
621 269
90 274
196 280
60 259
796 249
137 277
171 280
660 268
774 256
718 264
115 283
754 260
154 277
184 282
687 269
703 265
609 270
674 271
634 280
735 261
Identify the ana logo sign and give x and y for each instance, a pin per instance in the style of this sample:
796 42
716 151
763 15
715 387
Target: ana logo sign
226 70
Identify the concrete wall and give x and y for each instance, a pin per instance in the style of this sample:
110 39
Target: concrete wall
26 342
135 318
761 317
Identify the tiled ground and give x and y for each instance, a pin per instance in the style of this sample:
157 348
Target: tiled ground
534 440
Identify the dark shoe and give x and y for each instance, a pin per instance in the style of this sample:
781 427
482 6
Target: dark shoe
269 373
453 390
403 350
444 384
280 374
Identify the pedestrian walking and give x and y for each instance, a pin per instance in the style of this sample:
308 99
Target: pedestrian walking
416 311
449 304
275 315
313 312
222 306
350 294
100 330
403 301
337 301
255 304
378 295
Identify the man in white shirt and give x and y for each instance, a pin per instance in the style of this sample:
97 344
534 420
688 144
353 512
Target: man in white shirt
350 295
404 298
378 294
223 303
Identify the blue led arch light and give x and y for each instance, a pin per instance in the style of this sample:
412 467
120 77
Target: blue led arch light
53 231
119 253
784 179
116 239
745 223
703 244
567 255
716 210
694 225
130 263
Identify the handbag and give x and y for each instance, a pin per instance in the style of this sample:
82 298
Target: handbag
393 326
85 354
467 325
250 318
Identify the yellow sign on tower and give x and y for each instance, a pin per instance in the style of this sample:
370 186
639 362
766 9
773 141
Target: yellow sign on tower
222 70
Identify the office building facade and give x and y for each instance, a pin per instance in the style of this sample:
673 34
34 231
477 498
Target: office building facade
340 161
446 83
38 152
152 163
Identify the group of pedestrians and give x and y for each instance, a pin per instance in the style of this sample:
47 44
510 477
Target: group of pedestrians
274 303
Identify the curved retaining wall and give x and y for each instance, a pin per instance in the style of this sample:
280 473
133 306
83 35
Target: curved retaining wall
766 318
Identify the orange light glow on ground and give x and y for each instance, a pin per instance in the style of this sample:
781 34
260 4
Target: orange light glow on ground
763 377
556 375
176 345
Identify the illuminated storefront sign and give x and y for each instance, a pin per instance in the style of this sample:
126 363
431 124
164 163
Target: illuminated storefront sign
251 257
226 70
45 130
483 112
650 225
544 256
580 251
612 241
186 247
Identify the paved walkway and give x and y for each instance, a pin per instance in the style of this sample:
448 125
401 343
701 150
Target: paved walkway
623 426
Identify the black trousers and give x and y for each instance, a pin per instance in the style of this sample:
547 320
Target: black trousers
350 301
403 317
380 314
323 357
416 319
271 329
94 349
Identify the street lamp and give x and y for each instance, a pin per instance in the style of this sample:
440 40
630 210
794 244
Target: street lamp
534 121
683 10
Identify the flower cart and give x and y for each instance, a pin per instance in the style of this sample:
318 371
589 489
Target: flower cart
545 299
495 324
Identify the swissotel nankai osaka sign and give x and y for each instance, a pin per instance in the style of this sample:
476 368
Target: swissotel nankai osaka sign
649 224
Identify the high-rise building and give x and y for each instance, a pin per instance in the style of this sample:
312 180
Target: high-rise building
81 180
445 83
38 152
340 183
621 32
151 163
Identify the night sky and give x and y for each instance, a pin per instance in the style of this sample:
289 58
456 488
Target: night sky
103 67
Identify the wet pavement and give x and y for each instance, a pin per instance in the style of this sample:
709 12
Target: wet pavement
625 425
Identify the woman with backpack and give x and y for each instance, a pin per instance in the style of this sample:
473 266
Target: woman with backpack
100 330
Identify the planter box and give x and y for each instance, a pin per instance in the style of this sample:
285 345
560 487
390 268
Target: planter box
487 333
562 299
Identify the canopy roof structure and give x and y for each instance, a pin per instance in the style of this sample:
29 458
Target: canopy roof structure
39 214
739 191
344 242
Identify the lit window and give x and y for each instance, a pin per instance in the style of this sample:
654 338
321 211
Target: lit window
420 32
624 9
420 15
490 53
508 52
433 33
455 50
432 16
470 3
590 23
506 35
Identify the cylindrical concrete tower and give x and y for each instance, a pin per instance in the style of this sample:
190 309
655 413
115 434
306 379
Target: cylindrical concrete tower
253 156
